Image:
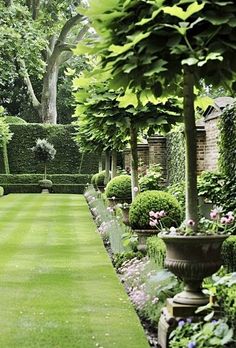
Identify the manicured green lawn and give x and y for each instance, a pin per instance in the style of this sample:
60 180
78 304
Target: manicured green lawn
57 285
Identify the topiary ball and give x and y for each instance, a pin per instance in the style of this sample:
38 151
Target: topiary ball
99 180
94 179
45 183
1 191
154 201
119 187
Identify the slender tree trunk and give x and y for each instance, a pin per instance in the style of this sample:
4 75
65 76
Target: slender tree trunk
35 8
191 148
49 95
81 162
107 167
100 164
134 160
5 158
45 171
113 163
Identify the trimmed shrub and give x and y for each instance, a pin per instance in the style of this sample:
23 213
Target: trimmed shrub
227 159
228 253
156 250
45 183
1 191
99 181
82 179
154 201
68 158
94 180
14 120
119 187
28 183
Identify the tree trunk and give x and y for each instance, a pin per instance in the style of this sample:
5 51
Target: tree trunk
81 162
191 148
45 171
107 167
113 164
5 158
49 95
100 164
134 160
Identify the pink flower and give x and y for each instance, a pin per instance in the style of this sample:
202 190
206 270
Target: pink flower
190 223
153 223
214 214
152 213
162 213
224 220
135 189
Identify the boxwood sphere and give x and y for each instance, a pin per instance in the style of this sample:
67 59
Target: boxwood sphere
119 187
93 179
99 181
154 201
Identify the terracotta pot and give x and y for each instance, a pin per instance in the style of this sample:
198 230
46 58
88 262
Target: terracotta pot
142 237
192 258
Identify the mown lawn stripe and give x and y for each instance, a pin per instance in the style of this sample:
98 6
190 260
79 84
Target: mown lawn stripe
57 285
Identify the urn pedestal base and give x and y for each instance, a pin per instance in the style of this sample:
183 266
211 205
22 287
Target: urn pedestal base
171 314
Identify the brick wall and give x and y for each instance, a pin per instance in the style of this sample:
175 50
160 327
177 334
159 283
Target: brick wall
207 151
211 149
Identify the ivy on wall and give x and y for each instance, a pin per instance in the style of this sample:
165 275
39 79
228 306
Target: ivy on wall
227 159
68 158
175 157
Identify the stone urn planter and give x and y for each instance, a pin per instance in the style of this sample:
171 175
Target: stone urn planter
192 258
45 185
142 237
101 188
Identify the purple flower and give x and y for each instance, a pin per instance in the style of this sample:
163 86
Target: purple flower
181 323
191 344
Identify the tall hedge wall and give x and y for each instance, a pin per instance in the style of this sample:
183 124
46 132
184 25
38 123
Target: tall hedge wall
175 157
227 158
68 158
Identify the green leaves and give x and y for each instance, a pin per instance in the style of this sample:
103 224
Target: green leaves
180 13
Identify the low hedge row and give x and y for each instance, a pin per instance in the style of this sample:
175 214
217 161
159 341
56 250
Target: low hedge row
34 188
229 254
28 183
34 178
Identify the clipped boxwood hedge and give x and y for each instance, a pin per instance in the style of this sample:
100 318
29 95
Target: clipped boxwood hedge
100 178
119 187
154 201
28 183
68 158
228 253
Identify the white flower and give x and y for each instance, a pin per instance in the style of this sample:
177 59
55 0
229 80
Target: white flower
172 230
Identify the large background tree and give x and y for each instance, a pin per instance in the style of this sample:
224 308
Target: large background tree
36 41
164 48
